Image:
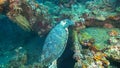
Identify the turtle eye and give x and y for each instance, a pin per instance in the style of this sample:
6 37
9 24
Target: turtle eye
63 23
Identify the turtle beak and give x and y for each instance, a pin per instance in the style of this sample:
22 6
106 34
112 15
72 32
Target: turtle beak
72 23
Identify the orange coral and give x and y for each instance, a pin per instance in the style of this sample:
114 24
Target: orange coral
99 56
111 17
36 5
2 2
84 66
15 8
94 48
113 33
114 17
106 62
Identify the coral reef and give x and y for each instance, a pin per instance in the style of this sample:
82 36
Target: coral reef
30 15
95 53
77 46
113 52
92 60
95 36
37 16
14 14
45 15
114 37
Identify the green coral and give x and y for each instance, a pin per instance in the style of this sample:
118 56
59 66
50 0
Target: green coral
85 36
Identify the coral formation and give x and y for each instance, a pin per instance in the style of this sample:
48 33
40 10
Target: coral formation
113 52
96 50
113 33
15 14
95 36
77 50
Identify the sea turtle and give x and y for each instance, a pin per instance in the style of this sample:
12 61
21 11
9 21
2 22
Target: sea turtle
55 42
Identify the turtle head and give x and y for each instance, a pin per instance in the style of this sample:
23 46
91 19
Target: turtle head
66 23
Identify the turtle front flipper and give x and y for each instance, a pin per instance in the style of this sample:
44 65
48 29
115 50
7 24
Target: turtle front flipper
54 64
